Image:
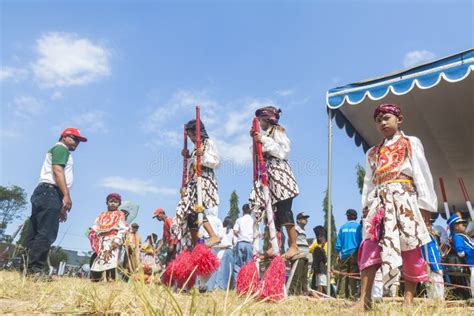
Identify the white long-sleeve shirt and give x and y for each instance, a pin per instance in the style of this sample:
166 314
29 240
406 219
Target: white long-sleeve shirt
210 158
416 167
276 143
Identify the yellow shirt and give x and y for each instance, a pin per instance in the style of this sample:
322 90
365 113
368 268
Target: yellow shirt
315 244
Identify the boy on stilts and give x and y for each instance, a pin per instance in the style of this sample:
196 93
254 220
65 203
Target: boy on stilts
281 181
398 194
186 214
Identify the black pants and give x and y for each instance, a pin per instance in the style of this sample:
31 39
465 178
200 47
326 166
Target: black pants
283 213
46 203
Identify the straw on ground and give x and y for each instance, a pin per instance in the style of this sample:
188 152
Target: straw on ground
70 295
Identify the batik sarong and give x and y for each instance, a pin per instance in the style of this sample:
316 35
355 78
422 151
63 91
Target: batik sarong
395 221
281 183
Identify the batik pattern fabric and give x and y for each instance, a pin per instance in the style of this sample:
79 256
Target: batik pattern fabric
281 180
209 188
391 196
110 227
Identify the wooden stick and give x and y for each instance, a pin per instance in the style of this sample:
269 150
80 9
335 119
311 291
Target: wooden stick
199 207
185 160
445 198
466 197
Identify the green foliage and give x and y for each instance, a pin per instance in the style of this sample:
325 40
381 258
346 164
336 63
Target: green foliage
234 206
333 226
360 171
12 203
56 255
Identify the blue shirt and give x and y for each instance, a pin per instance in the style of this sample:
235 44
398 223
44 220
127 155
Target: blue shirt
433 254
464 247
349 239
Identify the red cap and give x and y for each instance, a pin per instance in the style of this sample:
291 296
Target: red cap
74 132
158 211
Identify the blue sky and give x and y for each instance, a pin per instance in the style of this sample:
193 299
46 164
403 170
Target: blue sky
129 75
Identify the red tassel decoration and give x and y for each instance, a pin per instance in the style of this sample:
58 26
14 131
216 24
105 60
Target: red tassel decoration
168 276
204 260
274 280
180 270
248 279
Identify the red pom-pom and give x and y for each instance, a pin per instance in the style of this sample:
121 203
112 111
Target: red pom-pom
274 280
247 279
204 260
168 274
180 271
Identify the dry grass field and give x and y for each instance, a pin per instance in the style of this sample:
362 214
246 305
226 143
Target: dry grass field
24 296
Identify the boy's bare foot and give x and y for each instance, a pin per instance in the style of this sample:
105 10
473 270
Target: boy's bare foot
213 241
290 253
268 253
408 301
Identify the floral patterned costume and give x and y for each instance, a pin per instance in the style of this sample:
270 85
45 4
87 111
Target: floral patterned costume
397 184
110 227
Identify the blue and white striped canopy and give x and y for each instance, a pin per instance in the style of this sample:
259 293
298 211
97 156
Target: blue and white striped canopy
437 100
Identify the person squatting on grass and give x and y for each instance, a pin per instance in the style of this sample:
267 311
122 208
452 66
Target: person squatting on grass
109 229
281 181
398 193
186 216
51 200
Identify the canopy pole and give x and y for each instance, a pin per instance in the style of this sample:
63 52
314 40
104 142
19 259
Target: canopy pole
329 201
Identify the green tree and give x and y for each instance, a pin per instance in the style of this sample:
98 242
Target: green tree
234 206
360 171
12 203
333 226
56 255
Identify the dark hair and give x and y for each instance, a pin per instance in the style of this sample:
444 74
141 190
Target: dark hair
246 209
319 231
228 223
351 214
153 237
191 126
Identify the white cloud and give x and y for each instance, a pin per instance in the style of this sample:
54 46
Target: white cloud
13 73
236 150
56 95
417 57
227 124
285 92
183 100
25 107
232 137
8 133
65 59
89 122
135 185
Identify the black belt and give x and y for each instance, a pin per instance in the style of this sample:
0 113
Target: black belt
48 185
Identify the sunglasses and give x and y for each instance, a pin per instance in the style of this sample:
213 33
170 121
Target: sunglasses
74 138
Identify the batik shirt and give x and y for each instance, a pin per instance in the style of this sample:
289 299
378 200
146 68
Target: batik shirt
401 157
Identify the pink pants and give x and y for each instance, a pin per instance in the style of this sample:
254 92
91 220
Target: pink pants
414 266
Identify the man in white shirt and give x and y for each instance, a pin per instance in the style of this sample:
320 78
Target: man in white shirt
51 201
243 230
